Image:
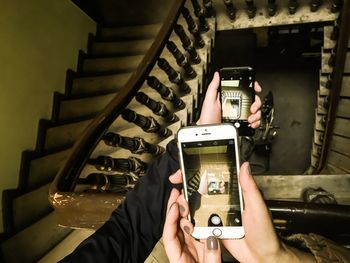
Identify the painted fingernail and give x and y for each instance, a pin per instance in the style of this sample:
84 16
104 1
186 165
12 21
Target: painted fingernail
187 229
212 243
181 209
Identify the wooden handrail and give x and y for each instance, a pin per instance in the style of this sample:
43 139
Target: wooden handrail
342 47
69 173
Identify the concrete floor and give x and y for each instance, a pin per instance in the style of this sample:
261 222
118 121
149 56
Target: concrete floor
292 78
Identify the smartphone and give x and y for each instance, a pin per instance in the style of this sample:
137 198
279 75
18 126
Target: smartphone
209 161
237 95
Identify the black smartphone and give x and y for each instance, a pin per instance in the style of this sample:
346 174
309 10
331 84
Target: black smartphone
237 95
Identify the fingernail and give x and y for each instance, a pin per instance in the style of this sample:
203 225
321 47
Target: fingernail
187 229
171 206
248 169
181 209
212 243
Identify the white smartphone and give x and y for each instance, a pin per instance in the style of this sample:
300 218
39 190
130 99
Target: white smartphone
209 161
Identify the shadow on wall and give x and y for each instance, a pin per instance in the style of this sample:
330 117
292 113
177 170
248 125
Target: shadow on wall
125 12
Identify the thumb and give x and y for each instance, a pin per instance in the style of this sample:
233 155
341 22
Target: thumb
212 92
212 251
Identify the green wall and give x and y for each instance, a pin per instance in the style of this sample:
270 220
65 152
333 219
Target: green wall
39 41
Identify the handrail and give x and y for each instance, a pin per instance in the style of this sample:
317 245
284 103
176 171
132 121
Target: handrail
342 45
68 174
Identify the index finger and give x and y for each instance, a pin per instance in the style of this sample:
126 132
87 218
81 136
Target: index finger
257 87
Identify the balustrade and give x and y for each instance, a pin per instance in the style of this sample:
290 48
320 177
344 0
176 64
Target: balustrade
181 60
148 124
187 44
231 9
157 107
193 28
166 93
135 145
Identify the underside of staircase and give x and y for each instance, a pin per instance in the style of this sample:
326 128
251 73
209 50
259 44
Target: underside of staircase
32 232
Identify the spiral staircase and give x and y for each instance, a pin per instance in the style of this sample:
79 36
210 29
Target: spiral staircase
133 89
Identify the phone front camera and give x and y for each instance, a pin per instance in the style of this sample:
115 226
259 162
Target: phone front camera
196 134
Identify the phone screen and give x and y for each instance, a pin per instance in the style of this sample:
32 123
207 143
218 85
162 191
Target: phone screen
211 183
237 96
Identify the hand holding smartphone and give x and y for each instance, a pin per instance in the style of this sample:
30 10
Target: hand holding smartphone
209 160
237 96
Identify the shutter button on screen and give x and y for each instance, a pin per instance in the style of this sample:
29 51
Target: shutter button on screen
217 232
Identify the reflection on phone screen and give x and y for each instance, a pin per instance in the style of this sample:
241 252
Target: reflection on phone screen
236 97
212 186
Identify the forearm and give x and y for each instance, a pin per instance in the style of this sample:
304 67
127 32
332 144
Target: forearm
294 255
137 224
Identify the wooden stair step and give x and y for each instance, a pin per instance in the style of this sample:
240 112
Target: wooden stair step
64 135
120 48
290 187
345 89
328 69
342 127
129 32
42 170
344 108
68 244
331 169
340 144
83 107
111 65
35 241
93 85
339 160
30 207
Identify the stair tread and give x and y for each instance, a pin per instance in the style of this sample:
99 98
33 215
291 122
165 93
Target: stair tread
132 47
31 206
340 144
68 244
87 85
331 169
111 65
341 127
82 107
34 241
345 90
343 109
64 135
130 32
339 160
43 169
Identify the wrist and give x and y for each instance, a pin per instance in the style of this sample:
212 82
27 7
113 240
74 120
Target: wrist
291 254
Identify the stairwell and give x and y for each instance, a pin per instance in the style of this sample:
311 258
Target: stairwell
112 58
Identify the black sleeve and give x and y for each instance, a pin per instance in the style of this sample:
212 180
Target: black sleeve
137 224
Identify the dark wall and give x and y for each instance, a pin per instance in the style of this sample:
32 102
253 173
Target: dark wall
125 12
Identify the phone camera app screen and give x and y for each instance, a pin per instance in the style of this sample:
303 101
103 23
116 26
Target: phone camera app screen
236 97
212 186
